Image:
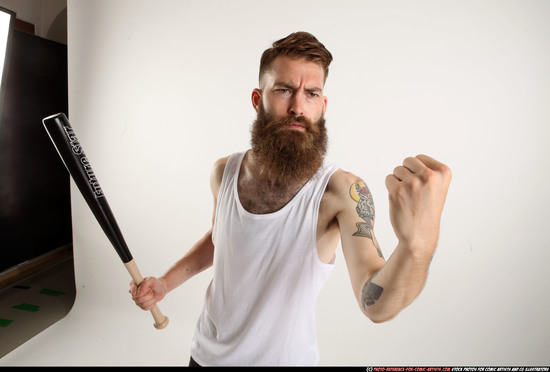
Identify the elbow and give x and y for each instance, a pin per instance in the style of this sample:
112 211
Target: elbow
379 317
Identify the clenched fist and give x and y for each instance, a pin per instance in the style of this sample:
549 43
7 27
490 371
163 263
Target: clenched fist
148 293
417 192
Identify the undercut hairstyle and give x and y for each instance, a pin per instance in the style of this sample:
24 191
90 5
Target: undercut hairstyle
298 45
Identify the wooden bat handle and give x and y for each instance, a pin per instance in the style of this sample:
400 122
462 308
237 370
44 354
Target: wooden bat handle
161 321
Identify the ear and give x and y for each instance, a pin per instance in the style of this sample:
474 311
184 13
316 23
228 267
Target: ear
256 98
325 103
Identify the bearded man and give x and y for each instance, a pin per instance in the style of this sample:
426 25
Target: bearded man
280 210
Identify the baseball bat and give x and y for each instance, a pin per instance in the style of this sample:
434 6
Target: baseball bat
65 141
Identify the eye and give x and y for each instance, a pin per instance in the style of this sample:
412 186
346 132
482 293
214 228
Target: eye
313 95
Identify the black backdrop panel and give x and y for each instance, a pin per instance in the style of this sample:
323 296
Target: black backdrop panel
35 215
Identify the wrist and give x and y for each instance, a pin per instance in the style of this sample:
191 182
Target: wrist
164 283
418 250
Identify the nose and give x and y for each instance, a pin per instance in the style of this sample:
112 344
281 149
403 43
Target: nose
296 107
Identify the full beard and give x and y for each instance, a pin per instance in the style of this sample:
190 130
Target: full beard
288 156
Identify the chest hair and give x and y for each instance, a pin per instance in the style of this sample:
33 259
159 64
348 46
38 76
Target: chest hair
262 197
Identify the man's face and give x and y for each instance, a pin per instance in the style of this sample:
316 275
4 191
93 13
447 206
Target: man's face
292 87
289 136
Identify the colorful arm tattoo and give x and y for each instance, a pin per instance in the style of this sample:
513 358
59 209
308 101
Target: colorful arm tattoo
365 209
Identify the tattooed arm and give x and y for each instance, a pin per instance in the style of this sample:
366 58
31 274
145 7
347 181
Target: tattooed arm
417 192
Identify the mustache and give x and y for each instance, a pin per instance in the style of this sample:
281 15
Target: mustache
274 122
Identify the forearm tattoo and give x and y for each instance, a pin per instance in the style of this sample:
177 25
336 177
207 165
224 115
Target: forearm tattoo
371 293
365 209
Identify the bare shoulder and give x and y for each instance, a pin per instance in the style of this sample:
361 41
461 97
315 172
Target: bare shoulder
340 183
344 191
336 194
219 166
216 174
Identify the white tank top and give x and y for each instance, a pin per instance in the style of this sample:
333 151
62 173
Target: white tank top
260 305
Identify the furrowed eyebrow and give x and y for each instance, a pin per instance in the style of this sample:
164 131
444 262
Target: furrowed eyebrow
284 85
314 90
290 86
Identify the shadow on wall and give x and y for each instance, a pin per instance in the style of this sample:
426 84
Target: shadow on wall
58 28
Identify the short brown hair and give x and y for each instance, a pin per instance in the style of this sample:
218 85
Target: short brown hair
299 45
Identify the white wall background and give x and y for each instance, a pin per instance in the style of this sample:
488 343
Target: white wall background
160 89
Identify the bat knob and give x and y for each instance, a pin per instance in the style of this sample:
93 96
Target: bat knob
162 324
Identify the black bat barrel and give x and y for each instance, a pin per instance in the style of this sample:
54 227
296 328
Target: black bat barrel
78 165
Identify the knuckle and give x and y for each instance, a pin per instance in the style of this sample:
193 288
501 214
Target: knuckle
429 174
410 160
414 186
446 171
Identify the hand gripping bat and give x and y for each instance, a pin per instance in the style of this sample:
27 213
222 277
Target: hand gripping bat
78 165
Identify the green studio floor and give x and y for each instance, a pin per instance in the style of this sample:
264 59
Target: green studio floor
35 303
